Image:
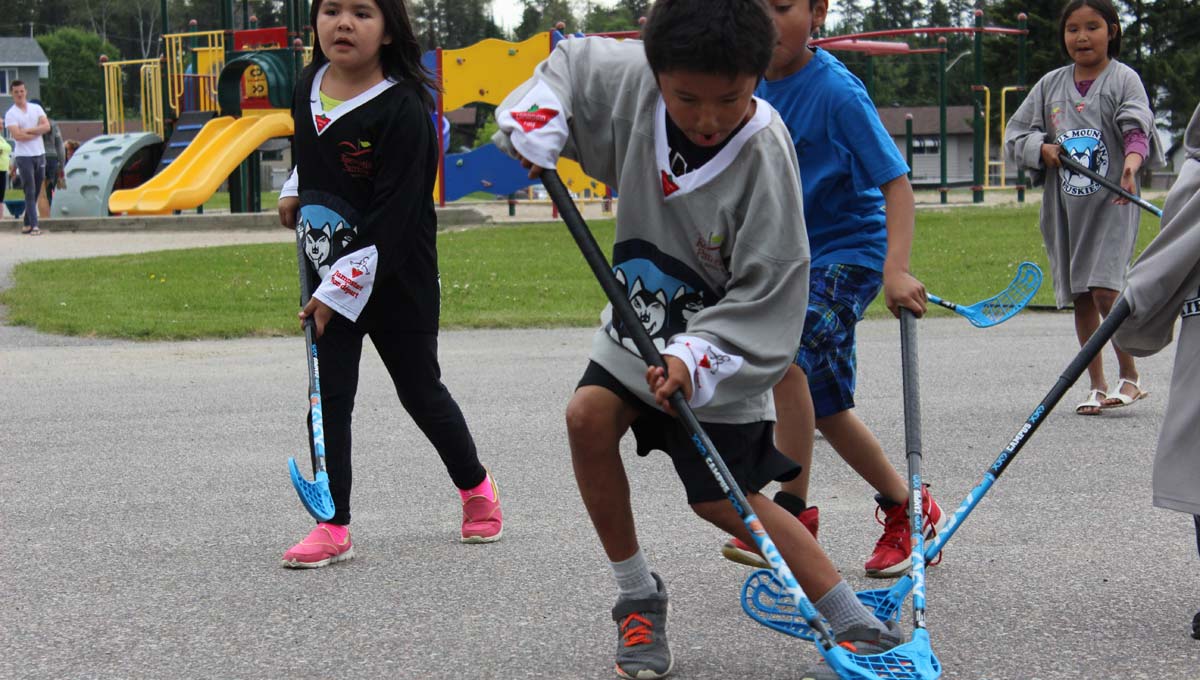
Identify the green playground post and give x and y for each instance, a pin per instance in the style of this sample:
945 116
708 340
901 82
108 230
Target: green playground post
977 94
943 189
1022 23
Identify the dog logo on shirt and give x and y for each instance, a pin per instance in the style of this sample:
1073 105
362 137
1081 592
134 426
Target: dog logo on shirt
1086 147
326 236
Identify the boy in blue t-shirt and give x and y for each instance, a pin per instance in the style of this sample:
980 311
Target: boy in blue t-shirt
859 211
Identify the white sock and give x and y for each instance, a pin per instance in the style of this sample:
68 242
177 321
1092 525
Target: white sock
634 581
844 610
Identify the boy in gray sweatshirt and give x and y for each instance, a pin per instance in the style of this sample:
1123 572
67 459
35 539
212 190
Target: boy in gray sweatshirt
712 251
1163 286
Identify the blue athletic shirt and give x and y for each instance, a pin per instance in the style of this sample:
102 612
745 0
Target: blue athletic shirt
845 156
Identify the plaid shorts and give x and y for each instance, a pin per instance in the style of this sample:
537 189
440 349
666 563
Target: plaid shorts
838 297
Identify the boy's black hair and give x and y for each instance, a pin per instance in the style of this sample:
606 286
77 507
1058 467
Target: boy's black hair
401 58
727 37
1106 10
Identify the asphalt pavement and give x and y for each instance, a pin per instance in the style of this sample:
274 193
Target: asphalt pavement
145 502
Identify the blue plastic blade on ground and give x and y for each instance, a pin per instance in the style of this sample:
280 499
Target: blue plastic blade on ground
1008 302
315 494
913 660
765 600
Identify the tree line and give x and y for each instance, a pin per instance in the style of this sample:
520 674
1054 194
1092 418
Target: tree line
1161 40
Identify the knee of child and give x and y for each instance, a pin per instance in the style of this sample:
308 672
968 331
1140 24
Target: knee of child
587 419
1104 297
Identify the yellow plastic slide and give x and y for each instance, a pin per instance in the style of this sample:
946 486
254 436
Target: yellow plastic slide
193 177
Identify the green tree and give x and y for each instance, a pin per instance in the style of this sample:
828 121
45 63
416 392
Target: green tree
73 89
542 15
1168 58
453 24
600 19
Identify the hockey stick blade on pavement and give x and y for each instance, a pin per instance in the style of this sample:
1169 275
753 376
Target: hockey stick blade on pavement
908 661
314 495
770 605
1003 305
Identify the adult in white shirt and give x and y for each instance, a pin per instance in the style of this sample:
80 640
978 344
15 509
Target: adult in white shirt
26 123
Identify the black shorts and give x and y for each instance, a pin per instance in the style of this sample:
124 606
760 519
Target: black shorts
748 449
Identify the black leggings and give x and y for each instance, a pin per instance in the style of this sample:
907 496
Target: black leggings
411 360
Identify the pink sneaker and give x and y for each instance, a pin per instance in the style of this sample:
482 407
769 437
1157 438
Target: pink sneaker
482 520
735 550
319 548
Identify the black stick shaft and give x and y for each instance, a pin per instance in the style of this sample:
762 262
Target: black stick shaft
1075 369
1105 182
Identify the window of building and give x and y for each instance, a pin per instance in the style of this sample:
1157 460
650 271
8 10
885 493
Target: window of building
926 145
7 75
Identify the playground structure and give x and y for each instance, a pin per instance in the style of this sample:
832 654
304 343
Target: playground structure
186 151
981 94
250 85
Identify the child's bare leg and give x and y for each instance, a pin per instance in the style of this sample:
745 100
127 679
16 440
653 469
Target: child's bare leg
1087 320
596 420
1105 298
796 545
854 442
809 564
795 426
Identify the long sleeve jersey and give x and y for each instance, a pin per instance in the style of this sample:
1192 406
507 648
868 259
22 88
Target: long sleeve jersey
1164 285
715 262
365 173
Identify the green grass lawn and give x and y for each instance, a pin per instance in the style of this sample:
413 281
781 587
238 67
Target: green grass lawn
516 276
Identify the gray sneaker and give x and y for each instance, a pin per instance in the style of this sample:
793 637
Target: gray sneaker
858 640
642 650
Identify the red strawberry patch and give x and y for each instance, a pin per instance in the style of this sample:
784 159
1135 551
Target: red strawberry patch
321 120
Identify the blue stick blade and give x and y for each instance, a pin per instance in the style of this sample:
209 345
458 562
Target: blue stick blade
765 600
1006 304
913 660
314 495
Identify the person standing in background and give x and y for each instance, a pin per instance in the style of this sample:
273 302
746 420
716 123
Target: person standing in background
26 122
56 157
5 159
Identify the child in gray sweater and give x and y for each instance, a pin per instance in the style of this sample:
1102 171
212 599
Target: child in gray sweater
1163 286
712 251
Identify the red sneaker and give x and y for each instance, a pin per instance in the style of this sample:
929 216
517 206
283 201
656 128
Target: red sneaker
735 550
482 521
892 552
319 548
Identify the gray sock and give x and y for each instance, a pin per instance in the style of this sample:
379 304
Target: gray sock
841 606
634 581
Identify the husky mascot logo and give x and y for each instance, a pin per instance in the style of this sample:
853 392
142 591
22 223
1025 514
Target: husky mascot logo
661 314
1086 148
326 234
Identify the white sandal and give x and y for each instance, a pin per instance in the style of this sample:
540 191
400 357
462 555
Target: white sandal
1095 400
1124 399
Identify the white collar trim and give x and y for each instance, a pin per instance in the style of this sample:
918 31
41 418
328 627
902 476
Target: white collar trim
322 119
715 166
